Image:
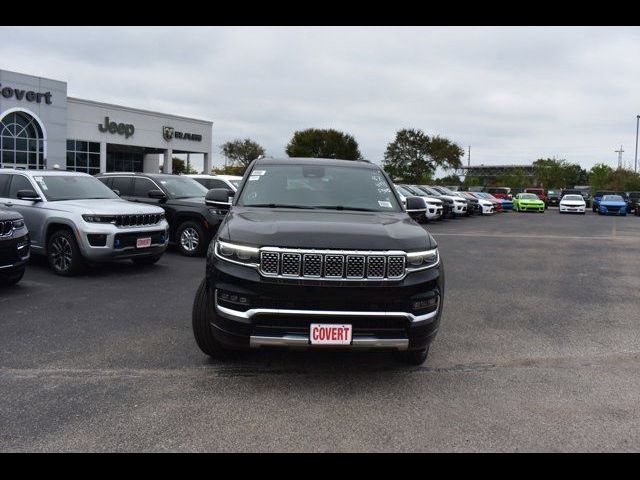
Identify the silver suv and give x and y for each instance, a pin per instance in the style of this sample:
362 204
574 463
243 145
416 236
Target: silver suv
73 218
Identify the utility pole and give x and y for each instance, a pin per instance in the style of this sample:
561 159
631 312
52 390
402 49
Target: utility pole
637 125
469 157
619 152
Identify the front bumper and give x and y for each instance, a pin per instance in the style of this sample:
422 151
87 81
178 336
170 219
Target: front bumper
572 209
459 209
106 242
14 252
531 208
434 211
252 311
607 211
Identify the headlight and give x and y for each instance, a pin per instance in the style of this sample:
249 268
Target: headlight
422 260
99 218
17 224
216 211
240 254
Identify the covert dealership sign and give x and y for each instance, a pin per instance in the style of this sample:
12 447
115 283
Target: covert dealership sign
28 95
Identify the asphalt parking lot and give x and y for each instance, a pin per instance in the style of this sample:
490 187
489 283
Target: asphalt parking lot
539 350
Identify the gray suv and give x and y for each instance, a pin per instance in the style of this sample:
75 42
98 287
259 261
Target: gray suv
74 219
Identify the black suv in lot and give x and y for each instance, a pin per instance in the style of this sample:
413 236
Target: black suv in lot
14 247
192 224
319 253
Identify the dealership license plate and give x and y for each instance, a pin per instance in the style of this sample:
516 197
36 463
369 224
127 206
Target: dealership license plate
143 242
330 334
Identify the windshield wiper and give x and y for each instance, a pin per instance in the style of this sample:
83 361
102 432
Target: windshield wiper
279 205
341 207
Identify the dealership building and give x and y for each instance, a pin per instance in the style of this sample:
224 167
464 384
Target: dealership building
42 128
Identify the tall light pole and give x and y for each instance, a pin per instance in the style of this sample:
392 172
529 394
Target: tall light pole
637 126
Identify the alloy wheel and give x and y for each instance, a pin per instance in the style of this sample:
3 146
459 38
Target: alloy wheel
189 239
61 254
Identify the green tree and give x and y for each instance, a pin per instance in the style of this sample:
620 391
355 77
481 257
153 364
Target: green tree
452 179
241 152
319 143
414 156
179 167
600 176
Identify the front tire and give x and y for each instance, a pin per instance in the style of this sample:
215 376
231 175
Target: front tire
414 357
191 239
64 254
201 317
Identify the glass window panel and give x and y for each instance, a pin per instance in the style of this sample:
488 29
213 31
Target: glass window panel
71 144
94 147
81 160
94 160
71 160
18 182
21 120
22 144
8 158
94 171
33 159
22 158
81 146
8 143
33 145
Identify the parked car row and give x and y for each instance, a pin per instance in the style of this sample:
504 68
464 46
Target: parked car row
76 220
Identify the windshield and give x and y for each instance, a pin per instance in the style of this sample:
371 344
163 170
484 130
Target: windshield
575 198
182 187
430 191
66 187
318 186
528 196
498 190
403 191
612 198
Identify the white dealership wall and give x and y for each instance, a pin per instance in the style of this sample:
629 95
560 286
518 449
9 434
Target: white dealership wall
77 119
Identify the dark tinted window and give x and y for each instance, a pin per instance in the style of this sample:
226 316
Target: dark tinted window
4 185
213 183
141 187
18 182
123 184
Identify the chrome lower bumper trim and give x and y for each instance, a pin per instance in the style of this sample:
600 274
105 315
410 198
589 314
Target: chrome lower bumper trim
249 314
302 341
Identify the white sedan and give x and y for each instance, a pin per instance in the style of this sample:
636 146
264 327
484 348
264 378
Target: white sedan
572 204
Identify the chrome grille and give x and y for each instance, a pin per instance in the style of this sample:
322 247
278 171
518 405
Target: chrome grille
6 228
332 265
137 220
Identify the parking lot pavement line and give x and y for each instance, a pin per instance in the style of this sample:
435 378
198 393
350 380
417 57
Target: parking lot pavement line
537 237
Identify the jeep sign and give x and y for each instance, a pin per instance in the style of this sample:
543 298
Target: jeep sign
125 129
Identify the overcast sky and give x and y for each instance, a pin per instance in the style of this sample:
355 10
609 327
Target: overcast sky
513 94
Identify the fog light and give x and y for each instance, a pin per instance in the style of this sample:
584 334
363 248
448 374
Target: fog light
425 303
234 298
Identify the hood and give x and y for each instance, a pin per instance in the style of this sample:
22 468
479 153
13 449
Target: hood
189 202
453 198
9 215
104 207
324 229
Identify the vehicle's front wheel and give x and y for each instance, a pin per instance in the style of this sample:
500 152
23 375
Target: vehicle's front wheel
146 260
201 321
414 357
191 239
12 279
64 254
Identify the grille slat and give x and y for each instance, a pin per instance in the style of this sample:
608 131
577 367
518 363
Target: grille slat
137 220
331 265
6 227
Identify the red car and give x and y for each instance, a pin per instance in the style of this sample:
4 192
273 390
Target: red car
542 195
500 192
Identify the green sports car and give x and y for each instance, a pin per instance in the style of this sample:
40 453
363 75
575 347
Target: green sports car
528 202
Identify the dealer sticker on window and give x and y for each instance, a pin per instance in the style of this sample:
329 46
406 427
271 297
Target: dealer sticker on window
385 204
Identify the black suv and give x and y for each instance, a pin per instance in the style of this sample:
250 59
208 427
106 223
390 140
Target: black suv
192 224
319 253
14 247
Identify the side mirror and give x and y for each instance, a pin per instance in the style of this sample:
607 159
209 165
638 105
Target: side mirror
158 194
416 207
117 192
30 195
219 197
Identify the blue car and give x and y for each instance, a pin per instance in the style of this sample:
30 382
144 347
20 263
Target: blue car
597 197
612 205
506 204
